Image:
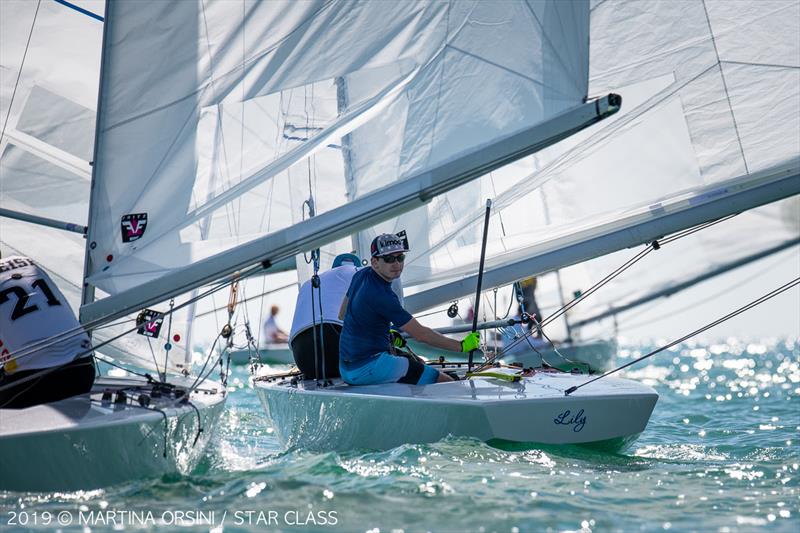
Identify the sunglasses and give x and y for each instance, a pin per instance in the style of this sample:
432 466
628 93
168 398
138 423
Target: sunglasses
392 258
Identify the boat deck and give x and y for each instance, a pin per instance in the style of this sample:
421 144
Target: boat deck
541 386
90 410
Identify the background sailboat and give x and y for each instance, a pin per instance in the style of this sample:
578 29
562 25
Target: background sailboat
128 427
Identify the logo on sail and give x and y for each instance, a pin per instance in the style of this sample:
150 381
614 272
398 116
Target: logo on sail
149 323
133 226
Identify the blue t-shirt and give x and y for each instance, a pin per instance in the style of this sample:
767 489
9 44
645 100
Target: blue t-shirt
371 308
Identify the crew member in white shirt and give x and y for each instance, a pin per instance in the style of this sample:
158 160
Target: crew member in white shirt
324 312
272 332
44 352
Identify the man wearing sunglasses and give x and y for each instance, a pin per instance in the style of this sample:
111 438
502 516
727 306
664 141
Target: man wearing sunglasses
370 308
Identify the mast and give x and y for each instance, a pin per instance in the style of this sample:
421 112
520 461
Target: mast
87 290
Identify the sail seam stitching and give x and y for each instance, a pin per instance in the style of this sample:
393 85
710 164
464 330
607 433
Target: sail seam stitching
502 67
725 87
546 37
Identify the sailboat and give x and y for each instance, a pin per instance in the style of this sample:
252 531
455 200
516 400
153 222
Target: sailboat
156 419
334 415
709 129
208 146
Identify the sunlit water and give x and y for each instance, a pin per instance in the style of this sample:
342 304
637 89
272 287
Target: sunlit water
720 454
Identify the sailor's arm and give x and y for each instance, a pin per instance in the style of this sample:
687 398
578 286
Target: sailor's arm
429 336
343 308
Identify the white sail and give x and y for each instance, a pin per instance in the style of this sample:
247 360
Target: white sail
47 105
711 117
247 101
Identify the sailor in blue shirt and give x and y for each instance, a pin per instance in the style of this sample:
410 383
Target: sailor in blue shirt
370 308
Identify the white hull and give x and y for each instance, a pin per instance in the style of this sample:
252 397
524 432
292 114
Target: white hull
533 410
86 443
277 354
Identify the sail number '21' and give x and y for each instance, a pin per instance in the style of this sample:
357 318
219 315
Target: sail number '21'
21 308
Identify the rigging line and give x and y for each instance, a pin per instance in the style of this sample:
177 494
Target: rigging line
725 87
80 10
683 233
19 74
726 290
155 360
87 328
111 363
208 358
499 213
764 65
587 293
628 264
746 307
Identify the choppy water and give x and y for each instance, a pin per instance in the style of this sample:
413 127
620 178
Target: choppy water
720 454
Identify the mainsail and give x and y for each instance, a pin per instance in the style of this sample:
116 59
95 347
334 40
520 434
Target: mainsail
711 127
212 155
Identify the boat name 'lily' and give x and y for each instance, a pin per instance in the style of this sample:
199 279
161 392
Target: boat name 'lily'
578 420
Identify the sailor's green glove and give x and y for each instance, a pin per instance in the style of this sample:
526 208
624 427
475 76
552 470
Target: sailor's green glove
398 341
471 342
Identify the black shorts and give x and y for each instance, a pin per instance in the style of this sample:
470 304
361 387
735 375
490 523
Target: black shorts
415 368
71 379
303 351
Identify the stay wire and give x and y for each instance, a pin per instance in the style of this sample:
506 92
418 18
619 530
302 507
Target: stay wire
716 322
656 244
19 74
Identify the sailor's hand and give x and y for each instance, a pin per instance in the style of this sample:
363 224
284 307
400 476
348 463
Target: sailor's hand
471 342
398 341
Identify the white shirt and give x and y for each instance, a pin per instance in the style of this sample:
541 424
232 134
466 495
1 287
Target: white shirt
333 285
271 329
33 310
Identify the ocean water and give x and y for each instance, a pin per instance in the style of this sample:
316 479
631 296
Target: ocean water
721 453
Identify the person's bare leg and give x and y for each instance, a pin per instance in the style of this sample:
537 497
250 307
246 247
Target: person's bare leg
443 377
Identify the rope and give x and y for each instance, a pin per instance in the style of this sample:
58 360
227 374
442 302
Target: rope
716 322
19 74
